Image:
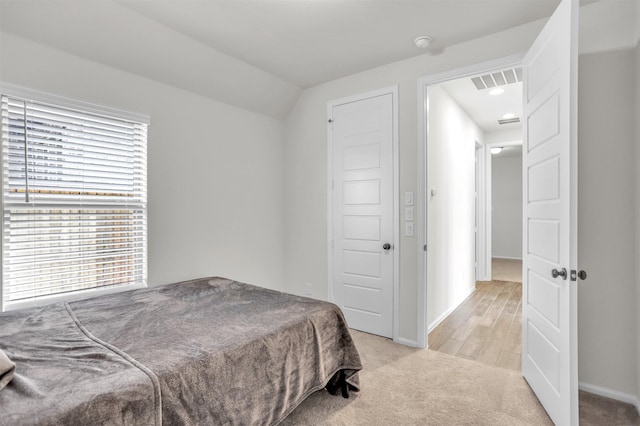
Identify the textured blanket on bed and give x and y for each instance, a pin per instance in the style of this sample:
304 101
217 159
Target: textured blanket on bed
7 367
207 351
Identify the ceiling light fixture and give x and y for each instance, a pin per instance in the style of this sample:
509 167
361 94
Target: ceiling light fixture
496 91
509 116
496 150
422 42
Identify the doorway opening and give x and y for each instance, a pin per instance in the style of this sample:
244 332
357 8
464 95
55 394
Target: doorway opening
474 205
550 210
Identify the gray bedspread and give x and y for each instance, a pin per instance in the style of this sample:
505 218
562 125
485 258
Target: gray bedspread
204 352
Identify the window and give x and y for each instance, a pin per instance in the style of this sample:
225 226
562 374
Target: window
74 202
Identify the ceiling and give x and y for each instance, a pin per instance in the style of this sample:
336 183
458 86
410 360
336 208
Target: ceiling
486 109
303 42
308 42
260 54
510 151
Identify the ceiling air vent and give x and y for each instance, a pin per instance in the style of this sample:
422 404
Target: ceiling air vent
509 120
496 79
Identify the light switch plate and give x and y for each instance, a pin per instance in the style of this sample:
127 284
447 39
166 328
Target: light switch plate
408 213
408 198
408 229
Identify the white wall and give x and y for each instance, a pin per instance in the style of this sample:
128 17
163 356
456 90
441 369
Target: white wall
451 150
606 221
306 161
97 31
506 216
215 172
609 25
504 136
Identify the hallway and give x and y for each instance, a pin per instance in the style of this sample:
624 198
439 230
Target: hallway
487 327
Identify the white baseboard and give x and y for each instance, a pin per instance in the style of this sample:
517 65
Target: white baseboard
612 394
507 257
446 313
407 342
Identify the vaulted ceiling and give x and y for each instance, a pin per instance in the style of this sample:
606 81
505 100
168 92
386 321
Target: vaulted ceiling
258 55
310 42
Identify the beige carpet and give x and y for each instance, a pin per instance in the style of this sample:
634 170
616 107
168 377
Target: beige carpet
404 386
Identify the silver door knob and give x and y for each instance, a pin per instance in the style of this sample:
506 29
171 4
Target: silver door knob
563 273
386 246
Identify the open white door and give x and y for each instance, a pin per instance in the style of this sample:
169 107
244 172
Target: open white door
549 296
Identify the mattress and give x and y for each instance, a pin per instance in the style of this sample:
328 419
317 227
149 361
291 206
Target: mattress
205 351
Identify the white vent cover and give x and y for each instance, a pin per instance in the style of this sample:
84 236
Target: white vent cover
496 79
509 120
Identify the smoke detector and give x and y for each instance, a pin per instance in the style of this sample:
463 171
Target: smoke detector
422 41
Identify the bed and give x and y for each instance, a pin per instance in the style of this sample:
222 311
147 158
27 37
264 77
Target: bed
201 352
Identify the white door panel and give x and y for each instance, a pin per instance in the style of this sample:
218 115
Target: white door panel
362 212
363 228
361 263
544 296
361 192
366 299
544 239
549 353
361 157
543 180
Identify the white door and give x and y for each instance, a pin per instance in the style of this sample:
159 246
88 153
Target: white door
549 314
362 212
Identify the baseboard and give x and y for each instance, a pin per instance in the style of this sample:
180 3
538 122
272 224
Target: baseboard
407 342
611 394
446 313
506 257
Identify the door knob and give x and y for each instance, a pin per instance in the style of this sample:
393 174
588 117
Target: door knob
582 275
563 273
386 246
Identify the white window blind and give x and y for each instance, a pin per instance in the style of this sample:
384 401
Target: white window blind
74 195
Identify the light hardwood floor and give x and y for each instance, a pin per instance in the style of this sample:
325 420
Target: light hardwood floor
487 327
506 269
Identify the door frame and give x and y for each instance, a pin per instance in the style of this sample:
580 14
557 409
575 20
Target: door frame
488 200
481 212
393 91
512 61
483 215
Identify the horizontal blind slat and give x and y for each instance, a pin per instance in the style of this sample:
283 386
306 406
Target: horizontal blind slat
82 283
69 115
56 270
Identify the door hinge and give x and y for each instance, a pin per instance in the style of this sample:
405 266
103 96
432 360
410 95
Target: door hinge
330 120
424 247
